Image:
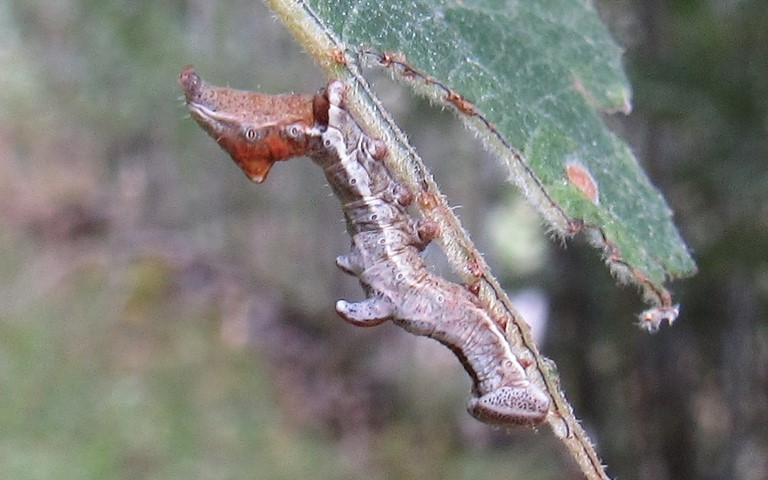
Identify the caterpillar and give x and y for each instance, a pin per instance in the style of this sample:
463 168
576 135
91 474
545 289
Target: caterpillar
258 130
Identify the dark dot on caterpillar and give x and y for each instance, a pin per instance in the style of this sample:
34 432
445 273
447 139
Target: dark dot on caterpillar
250 134
327 142
400 276
382 241
440 299
353 181
294 131
374 217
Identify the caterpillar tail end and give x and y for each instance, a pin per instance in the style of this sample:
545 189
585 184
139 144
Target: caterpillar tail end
510 406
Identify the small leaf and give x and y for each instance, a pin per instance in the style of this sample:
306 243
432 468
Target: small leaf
534 77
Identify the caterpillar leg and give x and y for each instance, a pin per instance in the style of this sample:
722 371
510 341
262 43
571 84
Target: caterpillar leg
349 264
507 406
426 231
402 194
375 148
366 313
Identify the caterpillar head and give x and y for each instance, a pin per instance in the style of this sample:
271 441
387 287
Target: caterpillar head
256 130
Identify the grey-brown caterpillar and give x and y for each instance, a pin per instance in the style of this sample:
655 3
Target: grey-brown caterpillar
386 240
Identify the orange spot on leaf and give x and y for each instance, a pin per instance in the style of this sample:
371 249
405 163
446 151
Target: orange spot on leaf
583 180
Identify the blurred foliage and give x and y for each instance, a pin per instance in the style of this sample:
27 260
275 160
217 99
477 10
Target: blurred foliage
161 317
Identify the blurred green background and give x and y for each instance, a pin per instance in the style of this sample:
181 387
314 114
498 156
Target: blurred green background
161 317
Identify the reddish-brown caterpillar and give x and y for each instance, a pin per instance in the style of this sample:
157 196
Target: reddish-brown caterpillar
386 240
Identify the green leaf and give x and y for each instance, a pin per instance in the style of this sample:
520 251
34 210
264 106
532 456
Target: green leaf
537 75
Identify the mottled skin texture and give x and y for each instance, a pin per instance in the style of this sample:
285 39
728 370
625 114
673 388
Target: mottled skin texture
386 240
